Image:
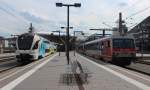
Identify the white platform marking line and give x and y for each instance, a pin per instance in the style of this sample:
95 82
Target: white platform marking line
129 72
15 82
129 80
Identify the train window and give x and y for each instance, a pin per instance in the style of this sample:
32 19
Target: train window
46 42
129 43
25 41
108 43
36 45
93 46
102 45
123 43
105 44
97 46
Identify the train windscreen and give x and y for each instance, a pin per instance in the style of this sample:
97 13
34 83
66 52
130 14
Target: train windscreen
123 43
25 41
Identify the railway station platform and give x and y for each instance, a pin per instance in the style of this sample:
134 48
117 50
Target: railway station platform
51 75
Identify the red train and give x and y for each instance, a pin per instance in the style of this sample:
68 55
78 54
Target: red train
116 49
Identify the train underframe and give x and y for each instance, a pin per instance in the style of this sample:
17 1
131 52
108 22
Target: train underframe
122 61
25 58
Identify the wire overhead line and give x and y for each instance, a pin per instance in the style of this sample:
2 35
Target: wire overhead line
131 6
136 13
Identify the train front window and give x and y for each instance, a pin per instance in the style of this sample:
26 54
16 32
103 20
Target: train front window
123 43
36 45
25 41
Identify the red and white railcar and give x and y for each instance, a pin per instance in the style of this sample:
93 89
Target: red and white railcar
117 49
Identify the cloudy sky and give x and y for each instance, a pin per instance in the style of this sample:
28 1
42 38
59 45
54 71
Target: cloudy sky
15 15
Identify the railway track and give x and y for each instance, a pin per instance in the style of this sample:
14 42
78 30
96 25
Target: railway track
8 58
143 62
10 62
7 62
9 68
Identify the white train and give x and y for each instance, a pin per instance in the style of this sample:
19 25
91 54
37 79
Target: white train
32 47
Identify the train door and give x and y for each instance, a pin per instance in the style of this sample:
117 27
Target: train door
106 50
42 49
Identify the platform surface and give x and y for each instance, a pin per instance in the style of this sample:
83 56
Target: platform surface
48 76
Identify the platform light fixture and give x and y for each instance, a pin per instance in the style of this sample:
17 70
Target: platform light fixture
67 30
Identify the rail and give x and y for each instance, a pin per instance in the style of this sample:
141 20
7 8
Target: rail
7 57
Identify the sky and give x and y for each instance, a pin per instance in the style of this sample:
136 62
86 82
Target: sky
16 15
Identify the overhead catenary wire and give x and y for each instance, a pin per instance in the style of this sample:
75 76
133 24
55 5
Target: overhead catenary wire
138 12
131 6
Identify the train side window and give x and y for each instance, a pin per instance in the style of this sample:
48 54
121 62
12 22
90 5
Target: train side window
105 44
102 45
97 46
108 43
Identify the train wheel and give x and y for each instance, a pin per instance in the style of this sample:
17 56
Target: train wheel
123 63
128 63
23 61
18 60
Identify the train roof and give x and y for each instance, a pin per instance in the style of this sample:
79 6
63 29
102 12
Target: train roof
35 35
110 37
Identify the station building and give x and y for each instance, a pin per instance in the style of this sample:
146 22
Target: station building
141 33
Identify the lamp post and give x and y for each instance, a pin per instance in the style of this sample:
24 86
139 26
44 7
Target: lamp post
67 33
75 40
58 41
66 37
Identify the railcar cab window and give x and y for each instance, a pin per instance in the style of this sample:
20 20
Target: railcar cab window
25 41
36 45
123 43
